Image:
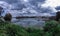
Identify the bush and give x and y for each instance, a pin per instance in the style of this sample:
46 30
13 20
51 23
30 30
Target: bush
58 16
8 17
35 32
8 29
53 28
49 25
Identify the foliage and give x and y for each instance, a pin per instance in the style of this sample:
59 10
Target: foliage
8 17
58 16
8 29
52 28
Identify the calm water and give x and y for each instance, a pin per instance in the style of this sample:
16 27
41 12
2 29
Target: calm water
29 22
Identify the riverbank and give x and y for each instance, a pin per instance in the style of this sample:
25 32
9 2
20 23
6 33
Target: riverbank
51 28
29 22
9 29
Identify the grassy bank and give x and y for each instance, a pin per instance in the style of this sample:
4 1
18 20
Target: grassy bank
52 28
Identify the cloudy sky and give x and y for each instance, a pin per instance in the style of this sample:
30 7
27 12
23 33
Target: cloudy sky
32 7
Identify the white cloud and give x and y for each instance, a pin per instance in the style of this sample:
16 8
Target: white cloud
5 5
30 8
52 3
26 0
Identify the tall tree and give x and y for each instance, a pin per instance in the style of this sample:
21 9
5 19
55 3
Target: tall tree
58 16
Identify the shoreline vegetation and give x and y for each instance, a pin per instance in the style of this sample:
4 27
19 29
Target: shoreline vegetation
51 28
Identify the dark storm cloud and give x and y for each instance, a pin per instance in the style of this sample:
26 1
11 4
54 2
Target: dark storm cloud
19 5
16 3
10 1
57 8
35 2
46 10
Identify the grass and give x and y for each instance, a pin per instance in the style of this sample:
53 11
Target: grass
51 28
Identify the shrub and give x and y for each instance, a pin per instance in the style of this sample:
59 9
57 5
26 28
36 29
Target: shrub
35 32
9 29
52 27
8 17
49 25
58 16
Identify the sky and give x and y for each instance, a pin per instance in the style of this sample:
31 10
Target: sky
52 3
30 7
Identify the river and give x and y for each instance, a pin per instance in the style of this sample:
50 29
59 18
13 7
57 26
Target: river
29 22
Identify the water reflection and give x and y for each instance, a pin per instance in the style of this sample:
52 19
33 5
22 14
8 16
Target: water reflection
27 22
